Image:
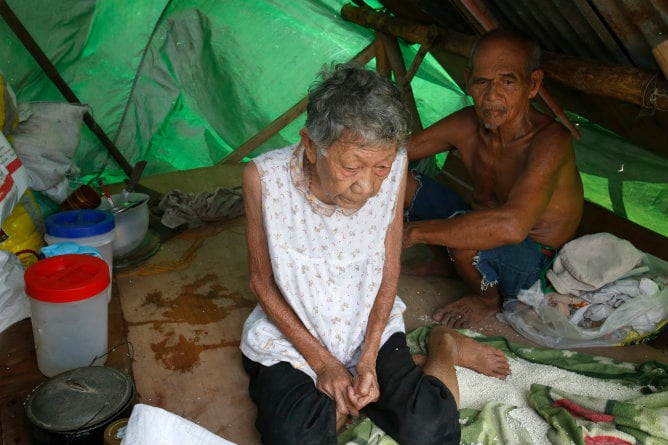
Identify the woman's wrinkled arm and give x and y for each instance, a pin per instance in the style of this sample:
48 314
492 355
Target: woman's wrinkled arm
366 389
333 378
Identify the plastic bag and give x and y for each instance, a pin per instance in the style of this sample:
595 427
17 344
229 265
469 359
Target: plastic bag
14 303
548 327
46 140
13 178
22 232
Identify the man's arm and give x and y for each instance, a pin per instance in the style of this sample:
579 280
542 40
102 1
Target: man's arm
511 222
438 137
333 378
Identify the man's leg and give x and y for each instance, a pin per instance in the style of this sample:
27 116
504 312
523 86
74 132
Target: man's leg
290 409
474 308
492 275
414 408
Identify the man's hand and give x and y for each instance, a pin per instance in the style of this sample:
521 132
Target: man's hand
406 240
335 381
365 387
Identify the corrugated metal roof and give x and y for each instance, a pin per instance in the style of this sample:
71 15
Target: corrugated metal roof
620 32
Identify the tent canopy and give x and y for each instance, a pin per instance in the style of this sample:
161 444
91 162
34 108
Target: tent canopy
181 84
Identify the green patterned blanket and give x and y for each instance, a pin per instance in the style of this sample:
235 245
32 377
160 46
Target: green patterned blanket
571 418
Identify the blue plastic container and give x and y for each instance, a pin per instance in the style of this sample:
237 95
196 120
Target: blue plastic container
86 227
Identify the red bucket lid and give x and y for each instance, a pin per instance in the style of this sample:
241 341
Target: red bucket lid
66 278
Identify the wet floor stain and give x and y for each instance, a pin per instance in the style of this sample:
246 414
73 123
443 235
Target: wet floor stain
185 354
202 302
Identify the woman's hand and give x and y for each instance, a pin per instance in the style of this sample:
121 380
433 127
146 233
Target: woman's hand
365 387
335 381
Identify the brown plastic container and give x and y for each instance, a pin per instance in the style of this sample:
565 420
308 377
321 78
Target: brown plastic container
85 197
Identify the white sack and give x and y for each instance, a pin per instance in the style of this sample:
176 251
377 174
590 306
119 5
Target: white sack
149 425
14 303
13 178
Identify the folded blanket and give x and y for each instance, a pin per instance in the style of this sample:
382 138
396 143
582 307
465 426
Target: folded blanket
643 419
590 420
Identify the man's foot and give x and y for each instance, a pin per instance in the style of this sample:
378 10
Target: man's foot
468 311
470 353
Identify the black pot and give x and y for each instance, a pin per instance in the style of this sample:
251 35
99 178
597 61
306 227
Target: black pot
75 407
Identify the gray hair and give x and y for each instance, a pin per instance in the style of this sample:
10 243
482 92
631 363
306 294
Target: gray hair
531 48
357 103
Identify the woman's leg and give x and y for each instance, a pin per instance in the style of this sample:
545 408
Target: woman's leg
290 409
414 407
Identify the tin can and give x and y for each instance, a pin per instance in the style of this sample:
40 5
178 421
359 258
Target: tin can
115 432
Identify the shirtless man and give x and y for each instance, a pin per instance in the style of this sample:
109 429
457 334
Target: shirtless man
527 193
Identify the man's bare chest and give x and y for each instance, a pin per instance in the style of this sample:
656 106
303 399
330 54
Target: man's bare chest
493 176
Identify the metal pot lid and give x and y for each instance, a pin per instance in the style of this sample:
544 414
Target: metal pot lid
79 399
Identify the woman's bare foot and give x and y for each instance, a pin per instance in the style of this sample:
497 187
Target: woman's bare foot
467 311
472 354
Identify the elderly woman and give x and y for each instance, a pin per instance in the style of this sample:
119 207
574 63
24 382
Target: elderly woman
324 241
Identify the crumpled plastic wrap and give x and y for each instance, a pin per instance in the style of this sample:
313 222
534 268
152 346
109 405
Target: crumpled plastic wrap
636 321
197 209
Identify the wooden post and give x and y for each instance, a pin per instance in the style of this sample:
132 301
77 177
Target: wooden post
432 35
382 62
399 68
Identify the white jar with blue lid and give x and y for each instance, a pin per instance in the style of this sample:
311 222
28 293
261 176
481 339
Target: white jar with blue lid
86 227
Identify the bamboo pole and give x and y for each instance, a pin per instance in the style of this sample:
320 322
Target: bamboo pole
625 83
396 59
382 62
363 57
628 84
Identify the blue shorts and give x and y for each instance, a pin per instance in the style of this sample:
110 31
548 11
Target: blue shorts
511 267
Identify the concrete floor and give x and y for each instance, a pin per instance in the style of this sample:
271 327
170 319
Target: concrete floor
176 319
185 306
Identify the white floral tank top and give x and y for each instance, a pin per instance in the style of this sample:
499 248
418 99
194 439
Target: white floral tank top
327 262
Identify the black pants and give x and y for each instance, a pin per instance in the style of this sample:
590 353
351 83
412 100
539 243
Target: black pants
413 408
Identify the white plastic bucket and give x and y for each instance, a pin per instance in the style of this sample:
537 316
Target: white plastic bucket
131 225
86 227
68 301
